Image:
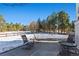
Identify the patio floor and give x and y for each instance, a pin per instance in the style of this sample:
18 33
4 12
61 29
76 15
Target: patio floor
39 49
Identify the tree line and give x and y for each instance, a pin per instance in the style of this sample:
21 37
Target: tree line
4 26
56 22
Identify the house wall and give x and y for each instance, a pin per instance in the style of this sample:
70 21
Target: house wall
77 26
77 33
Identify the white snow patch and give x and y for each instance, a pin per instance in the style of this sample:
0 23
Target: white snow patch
45 36
7 43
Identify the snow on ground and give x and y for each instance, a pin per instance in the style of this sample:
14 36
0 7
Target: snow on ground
45 36
10 42
7 43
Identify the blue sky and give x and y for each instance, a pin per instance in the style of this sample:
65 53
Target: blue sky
25 13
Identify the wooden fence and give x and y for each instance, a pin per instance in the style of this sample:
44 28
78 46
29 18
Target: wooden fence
12 33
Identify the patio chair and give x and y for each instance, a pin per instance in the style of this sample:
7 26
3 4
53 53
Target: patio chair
69 47
24 39
27 44
71 38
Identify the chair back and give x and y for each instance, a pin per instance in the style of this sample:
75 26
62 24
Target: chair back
24 38
71 38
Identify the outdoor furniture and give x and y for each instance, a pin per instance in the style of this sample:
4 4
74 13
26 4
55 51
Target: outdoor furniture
71 38
27 44
69 47
24 38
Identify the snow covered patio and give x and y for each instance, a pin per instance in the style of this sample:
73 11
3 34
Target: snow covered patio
39 49
48 45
